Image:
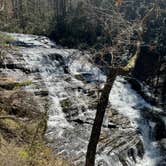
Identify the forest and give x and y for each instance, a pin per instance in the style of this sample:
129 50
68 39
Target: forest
82 82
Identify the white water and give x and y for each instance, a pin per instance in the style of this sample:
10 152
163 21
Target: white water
130 104
122 98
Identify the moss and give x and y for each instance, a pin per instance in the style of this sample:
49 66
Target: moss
23 154
31 149
79 77
12 154
42 155
5 39
66 103
11 124
9 84
68 79
23 83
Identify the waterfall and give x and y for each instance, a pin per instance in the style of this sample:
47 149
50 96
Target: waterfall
71 106
130 104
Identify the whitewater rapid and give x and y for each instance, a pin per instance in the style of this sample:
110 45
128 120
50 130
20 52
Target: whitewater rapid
124 99
41 54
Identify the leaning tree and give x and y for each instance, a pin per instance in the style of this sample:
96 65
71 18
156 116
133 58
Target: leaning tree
124 33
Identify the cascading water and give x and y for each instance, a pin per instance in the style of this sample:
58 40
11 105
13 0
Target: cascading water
130 104
71 106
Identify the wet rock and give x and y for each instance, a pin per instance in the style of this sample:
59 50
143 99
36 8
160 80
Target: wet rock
18 66
42 93
56 57
70 99
118 120
140 149
7 83
20 44
111 125
163 144
19 103
14 61
159 130
79 77
86 77
136 85
66 103
142 90
79 121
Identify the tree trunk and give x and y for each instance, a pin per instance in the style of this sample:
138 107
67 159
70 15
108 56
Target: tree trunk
102 105
60 8
101 108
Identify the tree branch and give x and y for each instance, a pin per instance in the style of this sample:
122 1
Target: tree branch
3 6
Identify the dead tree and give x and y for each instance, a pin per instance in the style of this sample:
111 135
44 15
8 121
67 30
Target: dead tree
101 108
126 29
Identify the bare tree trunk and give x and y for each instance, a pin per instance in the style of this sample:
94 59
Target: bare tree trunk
101 108
103 102
102 105
61 8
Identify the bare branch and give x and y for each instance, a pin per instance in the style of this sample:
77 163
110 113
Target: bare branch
3 6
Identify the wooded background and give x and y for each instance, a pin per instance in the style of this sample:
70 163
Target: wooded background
95 24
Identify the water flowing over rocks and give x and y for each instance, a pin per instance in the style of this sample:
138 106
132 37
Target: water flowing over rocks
64 83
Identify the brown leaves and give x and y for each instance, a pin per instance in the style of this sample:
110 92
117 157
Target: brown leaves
119 3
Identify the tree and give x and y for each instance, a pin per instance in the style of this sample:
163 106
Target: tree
101 108
60 8
123 33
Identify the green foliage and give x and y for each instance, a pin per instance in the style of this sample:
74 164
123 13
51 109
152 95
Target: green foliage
79 28
28 18
66 103
10 84
79 77
76 28
24 83
23 154
5 39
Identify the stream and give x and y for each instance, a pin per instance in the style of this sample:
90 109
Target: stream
71 81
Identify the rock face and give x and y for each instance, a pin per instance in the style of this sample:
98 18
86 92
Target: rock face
19 103
70 104
147 64
21 123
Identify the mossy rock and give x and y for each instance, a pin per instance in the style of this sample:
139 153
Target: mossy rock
79 77
67 79
66 104
10 84
5 39
11 124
